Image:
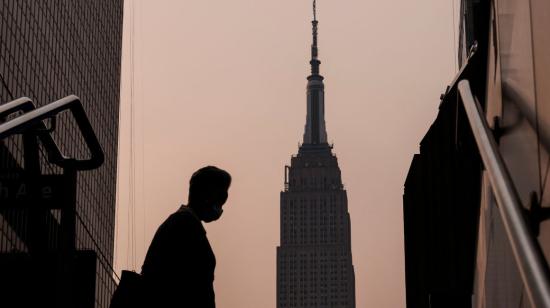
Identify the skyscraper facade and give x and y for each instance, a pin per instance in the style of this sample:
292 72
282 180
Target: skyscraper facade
48 50
314 262
466 245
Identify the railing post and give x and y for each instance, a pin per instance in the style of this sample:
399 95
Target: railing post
38 243
68 243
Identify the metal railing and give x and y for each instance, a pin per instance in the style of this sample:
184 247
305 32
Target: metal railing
31 122
21 104
34 117
527 252
24 104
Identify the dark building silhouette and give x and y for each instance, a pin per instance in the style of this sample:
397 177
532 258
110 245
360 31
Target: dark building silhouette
48 50
464 246
314 262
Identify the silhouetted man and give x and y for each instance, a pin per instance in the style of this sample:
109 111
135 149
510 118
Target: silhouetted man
179 267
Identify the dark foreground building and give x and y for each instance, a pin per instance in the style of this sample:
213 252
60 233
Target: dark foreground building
476 201
48 50
314 263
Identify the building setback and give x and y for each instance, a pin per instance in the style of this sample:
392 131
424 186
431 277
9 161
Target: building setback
314 262
48 50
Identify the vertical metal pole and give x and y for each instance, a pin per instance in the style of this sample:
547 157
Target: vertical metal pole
68 240
36 229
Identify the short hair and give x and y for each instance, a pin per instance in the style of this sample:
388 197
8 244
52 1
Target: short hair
206 178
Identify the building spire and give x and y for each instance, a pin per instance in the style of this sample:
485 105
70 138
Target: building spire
314 10
315 131
314 49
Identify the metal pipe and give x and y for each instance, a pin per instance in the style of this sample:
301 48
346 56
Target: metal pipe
25 104
528 255
21 104
36 116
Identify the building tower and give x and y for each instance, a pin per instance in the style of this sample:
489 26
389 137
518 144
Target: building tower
314 263
48 50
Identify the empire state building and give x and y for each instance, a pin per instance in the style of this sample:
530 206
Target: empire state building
314 263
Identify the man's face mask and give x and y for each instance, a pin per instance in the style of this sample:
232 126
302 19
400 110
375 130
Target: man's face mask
213 207
213 212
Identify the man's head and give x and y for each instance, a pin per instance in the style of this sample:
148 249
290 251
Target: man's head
208 192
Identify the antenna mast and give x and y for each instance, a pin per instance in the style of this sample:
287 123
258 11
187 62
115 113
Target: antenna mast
314 49
314 10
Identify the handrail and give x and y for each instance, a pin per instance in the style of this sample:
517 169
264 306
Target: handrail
36 116
25 104
21 104
528 255
514 93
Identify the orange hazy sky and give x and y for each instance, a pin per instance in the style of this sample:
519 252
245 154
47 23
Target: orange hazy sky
223 83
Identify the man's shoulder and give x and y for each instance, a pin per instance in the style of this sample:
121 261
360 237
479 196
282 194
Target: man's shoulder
184 218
